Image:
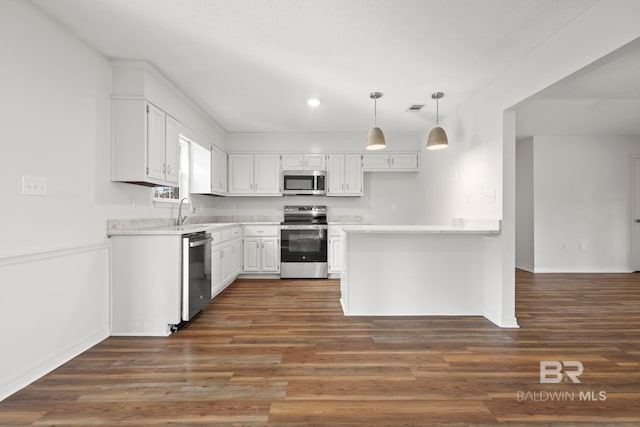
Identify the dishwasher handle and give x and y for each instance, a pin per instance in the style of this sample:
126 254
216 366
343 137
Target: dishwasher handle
200 241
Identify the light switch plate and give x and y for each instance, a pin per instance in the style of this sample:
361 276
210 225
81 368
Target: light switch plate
34 185
490 196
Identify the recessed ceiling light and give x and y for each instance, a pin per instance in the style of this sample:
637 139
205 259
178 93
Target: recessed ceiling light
313 102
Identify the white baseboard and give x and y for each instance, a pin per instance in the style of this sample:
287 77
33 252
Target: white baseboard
585 270
31 374
525 267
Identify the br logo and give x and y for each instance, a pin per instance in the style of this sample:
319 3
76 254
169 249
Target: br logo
552 371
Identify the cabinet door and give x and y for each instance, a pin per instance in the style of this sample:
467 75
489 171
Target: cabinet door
375 161
314 162
236 259
292 162
240 173
172 151
218 170
226 264
270 254
155 143
267 173
406 161
353 174
223 173
251 254
335 254
216 271
335 173
199 169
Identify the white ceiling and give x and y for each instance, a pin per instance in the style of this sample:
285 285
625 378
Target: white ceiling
252 64
601 99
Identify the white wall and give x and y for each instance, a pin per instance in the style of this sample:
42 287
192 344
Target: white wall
484 127
54 254
524 205
583 203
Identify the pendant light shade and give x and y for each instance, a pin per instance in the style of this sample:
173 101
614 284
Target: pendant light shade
375 137
437 138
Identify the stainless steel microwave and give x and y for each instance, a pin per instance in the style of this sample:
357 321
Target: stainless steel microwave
304 182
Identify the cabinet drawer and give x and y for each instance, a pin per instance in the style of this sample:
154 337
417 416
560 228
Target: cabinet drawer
335 230
230 233
261 230
227 234
216 237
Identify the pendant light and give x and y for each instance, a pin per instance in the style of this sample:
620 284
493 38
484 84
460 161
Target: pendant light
375 137
437 137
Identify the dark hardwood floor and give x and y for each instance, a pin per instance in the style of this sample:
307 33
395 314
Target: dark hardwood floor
280 353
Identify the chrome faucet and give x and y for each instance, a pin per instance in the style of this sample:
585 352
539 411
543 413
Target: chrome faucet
181 218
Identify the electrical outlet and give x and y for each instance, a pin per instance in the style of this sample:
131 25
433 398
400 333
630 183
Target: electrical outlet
393 207
565 246
583 246
34 185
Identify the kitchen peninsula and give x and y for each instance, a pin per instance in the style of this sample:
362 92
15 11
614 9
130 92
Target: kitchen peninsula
391 270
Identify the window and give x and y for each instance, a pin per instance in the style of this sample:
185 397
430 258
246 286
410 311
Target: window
174 194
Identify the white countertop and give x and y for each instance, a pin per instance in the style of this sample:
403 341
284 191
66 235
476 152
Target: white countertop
179 230
492 229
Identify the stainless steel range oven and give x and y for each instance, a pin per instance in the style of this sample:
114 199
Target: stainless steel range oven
303 247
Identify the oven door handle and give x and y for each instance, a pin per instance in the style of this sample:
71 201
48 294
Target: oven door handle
303 227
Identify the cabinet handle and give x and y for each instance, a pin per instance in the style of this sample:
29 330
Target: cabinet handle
168 168
393 161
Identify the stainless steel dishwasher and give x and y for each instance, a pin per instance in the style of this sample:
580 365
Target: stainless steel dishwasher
196 273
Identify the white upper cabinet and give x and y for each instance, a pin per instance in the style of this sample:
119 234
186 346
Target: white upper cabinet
172 150
199 169
156 128
315 162
218 171
145 144
241 174
207 170
254 174
390 162
293 161
344 173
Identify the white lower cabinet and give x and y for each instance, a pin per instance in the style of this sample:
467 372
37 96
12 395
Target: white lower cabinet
236 258
146 283
224 244
335 249
261 249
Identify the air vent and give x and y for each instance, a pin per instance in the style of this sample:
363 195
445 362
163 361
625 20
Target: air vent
414 108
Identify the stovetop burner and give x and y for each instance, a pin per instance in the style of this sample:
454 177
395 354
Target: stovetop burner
306 214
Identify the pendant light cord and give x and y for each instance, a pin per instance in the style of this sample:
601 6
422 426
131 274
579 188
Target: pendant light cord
375 112
437 111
